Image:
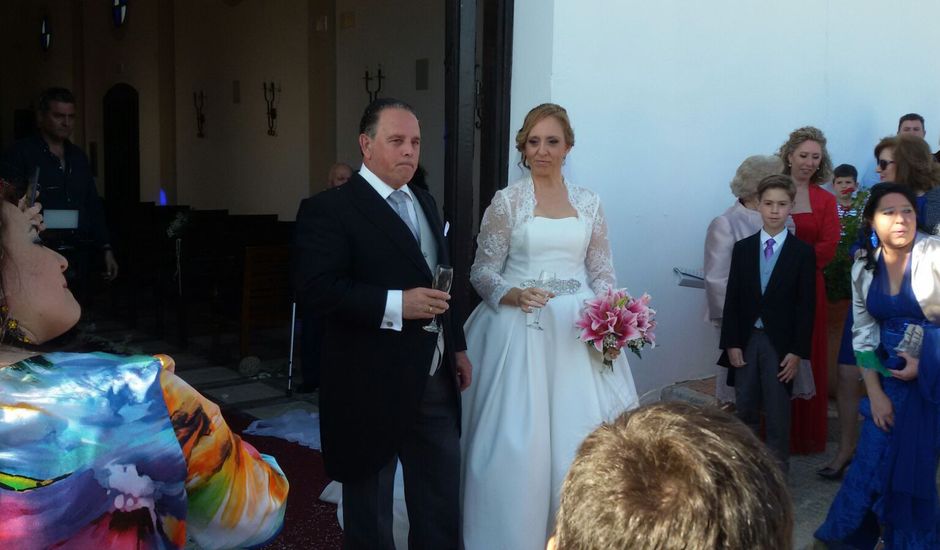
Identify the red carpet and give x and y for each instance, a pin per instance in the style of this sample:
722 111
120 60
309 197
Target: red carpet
309 524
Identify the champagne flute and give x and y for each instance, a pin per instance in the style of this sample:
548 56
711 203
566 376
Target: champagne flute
545 277
443 276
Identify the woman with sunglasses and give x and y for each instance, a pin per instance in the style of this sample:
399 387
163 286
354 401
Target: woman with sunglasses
906 159
890 491
807 161
102 451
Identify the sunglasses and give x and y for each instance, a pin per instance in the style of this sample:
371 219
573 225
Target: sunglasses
883 164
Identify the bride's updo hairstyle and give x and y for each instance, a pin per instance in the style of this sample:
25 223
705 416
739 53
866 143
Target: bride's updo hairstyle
536 115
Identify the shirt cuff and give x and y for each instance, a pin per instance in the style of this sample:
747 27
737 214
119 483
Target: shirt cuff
393 309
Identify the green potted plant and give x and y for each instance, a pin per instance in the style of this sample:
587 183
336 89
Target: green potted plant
838 274
838 277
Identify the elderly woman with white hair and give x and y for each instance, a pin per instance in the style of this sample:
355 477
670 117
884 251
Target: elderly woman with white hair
739 221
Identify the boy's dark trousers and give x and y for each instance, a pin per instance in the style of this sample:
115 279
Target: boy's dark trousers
755 384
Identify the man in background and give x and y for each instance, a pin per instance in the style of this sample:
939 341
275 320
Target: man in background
912 123
339 174
65 184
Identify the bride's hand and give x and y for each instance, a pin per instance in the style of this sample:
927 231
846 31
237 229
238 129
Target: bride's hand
533 298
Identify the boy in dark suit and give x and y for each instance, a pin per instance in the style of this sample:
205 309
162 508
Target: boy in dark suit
768 319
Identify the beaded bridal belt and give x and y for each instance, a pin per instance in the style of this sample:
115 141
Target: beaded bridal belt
556 286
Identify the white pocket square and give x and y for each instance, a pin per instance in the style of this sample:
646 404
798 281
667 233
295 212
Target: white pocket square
446 228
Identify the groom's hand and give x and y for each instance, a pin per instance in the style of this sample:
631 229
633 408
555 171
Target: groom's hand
464 370
423 303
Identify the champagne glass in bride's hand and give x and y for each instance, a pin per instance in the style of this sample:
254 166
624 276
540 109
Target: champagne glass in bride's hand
545 278
443 276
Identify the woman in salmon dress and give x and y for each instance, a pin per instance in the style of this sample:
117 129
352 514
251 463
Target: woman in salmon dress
817 223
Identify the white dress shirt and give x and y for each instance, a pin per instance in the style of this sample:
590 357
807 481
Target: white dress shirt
778 239
392 320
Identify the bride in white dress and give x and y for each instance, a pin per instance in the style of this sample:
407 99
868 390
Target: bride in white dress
536 393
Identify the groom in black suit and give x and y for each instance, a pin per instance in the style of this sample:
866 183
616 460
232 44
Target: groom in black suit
364 256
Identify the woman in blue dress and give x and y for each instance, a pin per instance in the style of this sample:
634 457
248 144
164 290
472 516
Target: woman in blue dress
890 491
905 159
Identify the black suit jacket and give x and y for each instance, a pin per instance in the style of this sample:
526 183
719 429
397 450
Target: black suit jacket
786 307
350 249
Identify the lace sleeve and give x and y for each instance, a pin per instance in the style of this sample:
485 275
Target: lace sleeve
492 249
599 261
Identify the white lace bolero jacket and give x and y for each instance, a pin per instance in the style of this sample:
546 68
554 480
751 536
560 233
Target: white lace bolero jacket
509 211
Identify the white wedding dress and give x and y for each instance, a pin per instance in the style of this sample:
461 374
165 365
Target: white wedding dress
535 394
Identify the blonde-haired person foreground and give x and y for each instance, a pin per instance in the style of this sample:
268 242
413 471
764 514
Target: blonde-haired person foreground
673 476
102 451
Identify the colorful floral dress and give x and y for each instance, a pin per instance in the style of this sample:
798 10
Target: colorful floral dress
103 451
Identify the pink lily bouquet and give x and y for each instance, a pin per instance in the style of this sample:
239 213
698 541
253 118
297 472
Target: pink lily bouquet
615 319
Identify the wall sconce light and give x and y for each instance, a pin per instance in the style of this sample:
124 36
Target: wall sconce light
199 101
119 12
45 34
272 94
374 94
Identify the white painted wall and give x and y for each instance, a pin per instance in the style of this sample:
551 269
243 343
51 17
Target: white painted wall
668 97
395 34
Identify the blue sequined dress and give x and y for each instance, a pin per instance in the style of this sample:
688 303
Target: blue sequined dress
891 484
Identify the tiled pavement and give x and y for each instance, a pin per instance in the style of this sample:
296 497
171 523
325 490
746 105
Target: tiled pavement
262 396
